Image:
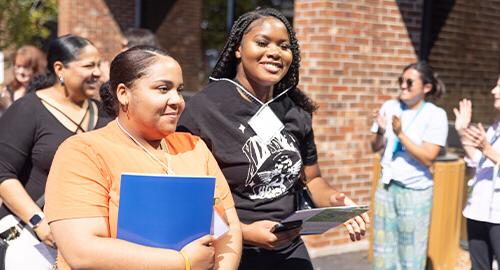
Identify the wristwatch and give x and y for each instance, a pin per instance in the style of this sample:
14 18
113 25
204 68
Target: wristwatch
36 219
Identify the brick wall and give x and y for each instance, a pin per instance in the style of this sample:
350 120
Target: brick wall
352 53
123 12
102 21
467 56
180 34
93 19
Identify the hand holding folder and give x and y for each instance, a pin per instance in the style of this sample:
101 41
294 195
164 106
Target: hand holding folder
165 211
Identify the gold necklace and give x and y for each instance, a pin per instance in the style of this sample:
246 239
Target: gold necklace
153 157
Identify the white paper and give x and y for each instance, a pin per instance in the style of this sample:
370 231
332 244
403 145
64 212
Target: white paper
27 252
219 226
266 124
50 254
319 220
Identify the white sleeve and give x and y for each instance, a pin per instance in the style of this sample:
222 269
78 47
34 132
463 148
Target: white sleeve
437 128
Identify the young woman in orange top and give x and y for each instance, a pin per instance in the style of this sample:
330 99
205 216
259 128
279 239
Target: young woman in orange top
84 183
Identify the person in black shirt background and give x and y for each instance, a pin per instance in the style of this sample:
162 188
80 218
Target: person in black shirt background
263 153
35 125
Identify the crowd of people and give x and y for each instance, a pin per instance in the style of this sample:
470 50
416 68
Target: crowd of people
250 127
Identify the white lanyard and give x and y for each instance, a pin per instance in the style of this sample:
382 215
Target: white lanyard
264 122
250 94
153 157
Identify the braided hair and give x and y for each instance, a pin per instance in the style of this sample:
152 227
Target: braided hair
227 62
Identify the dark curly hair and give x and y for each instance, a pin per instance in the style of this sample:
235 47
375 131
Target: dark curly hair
227 62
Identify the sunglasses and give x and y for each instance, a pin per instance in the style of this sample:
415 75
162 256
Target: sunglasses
409 82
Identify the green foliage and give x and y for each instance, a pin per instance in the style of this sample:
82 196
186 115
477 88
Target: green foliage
25 21
214 32
214 17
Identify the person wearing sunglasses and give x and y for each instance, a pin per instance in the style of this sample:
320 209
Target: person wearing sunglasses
410 132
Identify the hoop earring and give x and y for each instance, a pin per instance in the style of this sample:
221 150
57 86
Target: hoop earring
61 80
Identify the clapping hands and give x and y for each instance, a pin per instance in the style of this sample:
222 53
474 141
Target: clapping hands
470 135
463 116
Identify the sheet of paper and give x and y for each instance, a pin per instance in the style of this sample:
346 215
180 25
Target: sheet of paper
50 254
219 226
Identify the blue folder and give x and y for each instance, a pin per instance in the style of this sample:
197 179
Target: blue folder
164 211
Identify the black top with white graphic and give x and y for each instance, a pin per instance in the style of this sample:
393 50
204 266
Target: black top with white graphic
261 177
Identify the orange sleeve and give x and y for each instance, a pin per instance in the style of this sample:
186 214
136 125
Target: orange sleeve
77 184
222 190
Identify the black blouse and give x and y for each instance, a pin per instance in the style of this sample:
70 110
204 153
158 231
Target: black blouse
29 138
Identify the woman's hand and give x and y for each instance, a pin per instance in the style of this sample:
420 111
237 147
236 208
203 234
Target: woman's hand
44 234
201 253
381 121
463 116
396 125
355 226
476 137
259 234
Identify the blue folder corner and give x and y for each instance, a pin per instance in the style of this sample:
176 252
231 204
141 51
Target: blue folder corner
164 211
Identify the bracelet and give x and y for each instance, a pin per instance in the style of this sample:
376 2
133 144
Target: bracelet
187 265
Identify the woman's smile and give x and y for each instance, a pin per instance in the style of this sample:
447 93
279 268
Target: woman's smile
272 67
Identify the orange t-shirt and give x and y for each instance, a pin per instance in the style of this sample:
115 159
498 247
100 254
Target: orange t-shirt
84 180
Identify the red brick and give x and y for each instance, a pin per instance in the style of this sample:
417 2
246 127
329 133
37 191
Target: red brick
102 21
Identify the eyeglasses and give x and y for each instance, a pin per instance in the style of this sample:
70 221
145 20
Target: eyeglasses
409 82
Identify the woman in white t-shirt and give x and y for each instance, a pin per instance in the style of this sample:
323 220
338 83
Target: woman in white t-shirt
410 130
482 210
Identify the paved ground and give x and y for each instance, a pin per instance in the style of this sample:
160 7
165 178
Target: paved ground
359 261
347 261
